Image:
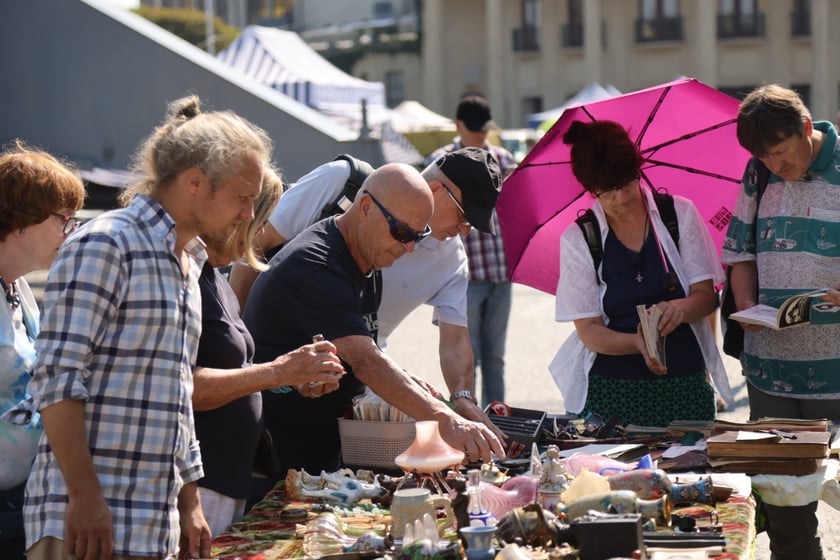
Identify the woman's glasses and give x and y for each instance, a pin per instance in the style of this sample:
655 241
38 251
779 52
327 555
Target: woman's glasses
70 222
612 191
399 231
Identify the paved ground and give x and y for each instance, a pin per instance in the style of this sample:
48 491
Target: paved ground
533 338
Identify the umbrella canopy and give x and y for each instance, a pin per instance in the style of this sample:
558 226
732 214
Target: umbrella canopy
685 131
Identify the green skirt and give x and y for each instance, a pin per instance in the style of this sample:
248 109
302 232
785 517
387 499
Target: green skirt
651 402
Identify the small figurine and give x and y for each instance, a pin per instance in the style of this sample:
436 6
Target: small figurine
553 479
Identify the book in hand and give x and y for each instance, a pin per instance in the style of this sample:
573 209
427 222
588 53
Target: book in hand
795 311
649 321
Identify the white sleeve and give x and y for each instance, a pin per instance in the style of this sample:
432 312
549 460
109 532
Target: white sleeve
578 290
699 255
301 205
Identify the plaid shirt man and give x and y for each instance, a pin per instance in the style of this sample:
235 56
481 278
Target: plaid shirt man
120 332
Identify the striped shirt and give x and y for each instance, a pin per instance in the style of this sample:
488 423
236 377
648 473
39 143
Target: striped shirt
796 249
486 253
120 332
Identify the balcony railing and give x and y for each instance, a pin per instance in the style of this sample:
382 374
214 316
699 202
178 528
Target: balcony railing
745 25
526 38
663 29
800 23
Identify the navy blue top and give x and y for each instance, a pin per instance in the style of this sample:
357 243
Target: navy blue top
619 271
228 435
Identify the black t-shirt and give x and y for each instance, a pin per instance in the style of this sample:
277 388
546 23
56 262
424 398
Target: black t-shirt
313 287
228 435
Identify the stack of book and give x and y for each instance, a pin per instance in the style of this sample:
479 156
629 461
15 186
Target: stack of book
769 446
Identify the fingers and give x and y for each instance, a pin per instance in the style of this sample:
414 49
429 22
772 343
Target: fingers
472 411
672 317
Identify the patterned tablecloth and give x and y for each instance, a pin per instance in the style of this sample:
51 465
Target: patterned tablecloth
262 536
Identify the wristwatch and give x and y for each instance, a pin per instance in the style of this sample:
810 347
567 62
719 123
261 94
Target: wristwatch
463 395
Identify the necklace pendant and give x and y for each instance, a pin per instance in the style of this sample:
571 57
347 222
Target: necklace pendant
639 277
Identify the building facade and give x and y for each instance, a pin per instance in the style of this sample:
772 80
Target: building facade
531 55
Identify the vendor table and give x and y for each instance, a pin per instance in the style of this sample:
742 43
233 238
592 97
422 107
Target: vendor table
261 535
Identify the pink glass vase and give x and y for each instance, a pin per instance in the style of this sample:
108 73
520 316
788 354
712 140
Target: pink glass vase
428 453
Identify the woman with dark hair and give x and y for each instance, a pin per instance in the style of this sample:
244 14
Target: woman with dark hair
613 375
39 198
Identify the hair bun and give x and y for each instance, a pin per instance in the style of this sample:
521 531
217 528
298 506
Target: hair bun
185 108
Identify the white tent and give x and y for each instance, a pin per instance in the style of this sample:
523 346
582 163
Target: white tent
282 60
592 92
416 117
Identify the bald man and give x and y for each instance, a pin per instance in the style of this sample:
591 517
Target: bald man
324 282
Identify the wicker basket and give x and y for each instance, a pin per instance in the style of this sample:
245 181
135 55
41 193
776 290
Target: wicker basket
373 444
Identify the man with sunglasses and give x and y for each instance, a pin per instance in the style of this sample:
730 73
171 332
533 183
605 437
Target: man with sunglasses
465 184
323 282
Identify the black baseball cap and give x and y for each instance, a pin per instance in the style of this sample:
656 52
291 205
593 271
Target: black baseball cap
476 173
474 112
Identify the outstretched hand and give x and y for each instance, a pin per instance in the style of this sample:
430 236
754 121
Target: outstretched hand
476 440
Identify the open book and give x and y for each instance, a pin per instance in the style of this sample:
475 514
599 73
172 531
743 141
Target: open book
649 320
794 312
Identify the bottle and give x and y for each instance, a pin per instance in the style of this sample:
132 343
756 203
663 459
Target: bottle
479 515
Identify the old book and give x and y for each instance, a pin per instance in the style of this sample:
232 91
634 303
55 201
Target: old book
649 321
766 466
770 444
783 424
794 312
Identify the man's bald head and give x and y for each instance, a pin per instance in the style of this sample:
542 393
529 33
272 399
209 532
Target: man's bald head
394 189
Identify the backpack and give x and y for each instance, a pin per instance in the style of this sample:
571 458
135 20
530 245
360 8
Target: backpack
359 171
733 333
588 224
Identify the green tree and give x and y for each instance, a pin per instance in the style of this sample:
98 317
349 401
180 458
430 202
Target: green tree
190 25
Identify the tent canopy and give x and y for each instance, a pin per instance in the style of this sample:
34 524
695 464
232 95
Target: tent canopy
283 61
592 92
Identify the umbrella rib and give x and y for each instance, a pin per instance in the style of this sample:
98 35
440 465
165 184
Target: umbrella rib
689 135
525 165
651 116
693 170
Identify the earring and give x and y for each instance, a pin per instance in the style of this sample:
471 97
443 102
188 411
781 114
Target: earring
20 232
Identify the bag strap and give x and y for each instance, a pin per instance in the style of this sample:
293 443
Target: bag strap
588 224
762 177
359 171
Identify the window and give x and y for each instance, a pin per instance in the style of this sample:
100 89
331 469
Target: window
526 37
572 30
383 10
800 18
659 20
394 87
739 18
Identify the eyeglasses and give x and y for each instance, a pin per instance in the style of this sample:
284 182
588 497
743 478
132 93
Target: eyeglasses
460 206
70 222
611 191
399 231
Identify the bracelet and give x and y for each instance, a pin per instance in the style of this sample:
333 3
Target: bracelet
463 395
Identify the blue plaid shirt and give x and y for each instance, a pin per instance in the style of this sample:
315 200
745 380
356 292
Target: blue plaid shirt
120 332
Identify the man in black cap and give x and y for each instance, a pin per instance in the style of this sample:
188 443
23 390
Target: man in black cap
489 294
321 283
465 185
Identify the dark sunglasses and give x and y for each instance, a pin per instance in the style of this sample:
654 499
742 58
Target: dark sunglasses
400 231
70 222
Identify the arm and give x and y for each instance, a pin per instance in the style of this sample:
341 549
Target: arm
389 381
699 303
195 533
242 276
88 523
743 281
456 364
310 363
599 338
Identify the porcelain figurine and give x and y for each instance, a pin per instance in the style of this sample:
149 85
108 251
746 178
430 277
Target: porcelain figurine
553 479
650 484
619 501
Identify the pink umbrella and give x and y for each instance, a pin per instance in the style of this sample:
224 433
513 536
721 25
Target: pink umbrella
685 131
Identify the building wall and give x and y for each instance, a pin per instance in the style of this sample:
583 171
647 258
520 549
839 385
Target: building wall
97 81
462 56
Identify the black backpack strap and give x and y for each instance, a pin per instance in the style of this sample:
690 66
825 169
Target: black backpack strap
762 177
588 224
665 205
359 171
